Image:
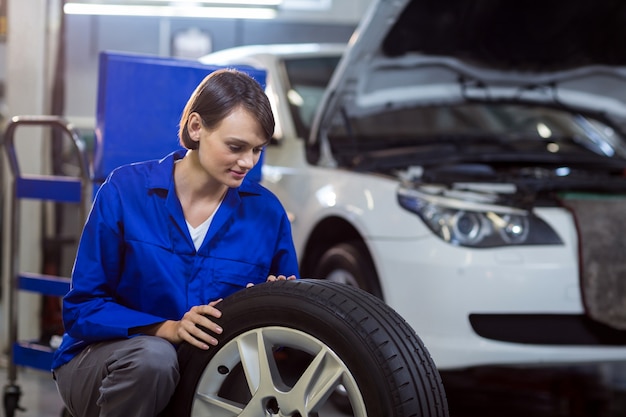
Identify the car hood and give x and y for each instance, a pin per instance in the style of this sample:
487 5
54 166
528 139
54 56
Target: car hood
565 52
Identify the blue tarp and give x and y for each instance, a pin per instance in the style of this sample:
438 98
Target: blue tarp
140 101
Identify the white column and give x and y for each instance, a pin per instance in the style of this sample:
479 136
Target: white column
30 29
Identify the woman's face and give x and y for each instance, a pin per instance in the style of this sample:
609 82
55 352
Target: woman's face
229 151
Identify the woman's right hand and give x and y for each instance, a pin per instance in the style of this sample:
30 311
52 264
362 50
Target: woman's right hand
188 329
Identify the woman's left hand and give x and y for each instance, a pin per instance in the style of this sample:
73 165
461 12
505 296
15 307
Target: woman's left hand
273 278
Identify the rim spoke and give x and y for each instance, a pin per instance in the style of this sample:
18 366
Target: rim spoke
257 360
319 380
214 406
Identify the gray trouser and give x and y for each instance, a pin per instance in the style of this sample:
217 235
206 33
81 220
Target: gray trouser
133 377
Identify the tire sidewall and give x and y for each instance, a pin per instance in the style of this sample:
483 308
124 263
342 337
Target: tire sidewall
249 313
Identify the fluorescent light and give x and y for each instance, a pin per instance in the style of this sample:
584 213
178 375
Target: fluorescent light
226 2
306 4
169 11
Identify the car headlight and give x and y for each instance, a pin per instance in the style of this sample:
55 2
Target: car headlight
476 224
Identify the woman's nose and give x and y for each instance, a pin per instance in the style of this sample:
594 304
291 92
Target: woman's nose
247 160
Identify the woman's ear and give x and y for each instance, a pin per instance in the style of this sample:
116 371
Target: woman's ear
194 125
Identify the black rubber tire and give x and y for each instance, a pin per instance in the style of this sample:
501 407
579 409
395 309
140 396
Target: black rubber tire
351 264
348 263
388 369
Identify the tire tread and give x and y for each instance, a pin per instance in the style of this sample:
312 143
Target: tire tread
387 335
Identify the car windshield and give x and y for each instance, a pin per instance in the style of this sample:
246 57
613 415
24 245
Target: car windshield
476 129
307 80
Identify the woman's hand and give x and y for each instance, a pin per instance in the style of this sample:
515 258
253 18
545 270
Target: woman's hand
272 278
187 329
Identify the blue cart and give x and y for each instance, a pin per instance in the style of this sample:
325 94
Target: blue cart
58 189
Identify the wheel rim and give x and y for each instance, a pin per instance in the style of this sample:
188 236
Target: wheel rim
256 352
342 276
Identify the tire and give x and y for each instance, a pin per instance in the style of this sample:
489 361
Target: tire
288 345
349 263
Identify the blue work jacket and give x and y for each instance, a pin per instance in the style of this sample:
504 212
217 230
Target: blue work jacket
137 265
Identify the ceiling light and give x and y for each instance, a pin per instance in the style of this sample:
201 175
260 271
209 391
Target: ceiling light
185 9
208 2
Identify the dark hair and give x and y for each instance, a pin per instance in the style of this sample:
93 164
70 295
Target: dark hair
221 92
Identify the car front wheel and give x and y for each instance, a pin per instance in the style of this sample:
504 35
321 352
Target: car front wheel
349 263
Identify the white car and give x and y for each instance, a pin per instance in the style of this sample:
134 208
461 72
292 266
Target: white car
471 176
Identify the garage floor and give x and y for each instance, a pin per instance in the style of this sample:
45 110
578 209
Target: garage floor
597 390
594 390
589 391
39 394
40 398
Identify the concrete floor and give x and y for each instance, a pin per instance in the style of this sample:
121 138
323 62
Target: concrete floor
581 391
39 394
40 397
593 390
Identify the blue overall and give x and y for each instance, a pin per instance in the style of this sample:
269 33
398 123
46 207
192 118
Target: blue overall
137 265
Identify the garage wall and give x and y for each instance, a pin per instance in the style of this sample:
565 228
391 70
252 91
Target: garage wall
26 66
88 35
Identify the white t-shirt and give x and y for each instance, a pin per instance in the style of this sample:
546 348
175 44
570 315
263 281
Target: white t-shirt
198 233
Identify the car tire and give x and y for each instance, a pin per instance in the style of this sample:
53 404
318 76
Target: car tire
349 263
338 334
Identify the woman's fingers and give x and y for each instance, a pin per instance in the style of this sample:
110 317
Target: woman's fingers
281 278
272 278
196 327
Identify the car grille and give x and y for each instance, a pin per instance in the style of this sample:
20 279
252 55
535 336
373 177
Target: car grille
601 223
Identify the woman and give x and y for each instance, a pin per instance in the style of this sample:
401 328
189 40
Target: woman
165 241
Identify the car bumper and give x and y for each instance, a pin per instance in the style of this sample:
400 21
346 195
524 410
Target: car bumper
508 306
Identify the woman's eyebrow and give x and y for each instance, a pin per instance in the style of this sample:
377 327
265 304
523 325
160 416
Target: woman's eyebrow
240 141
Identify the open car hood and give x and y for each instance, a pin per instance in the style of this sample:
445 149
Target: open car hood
406 52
